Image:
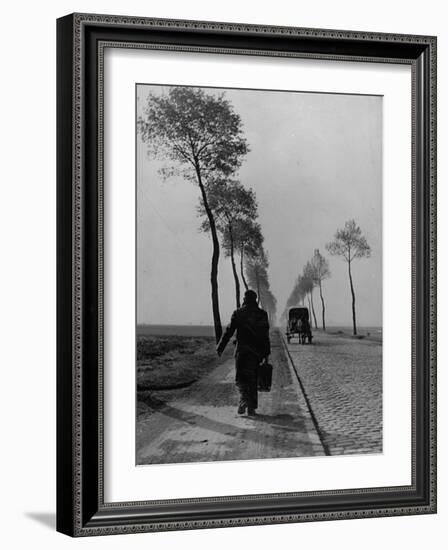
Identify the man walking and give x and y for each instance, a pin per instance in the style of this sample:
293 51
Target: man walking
252 347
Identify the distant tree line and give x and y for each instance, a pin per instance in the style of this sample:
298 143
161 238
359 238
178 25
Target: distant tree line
349 244
200 137
314 272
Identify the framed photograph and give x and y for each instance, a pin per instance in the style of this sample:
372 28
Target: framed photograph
246 274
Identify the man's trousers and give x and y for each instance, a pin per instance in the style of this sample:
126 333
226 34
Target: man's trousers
246 364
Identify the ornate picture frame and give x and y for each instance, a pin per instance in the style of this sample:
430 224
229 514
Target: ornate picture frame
81 506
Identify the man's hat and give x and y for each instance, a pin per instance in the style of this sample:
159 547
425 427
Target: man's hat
250 296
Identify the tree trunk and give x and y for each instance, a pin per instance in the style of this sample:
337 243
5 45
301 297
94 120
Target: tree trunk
309 308
235 273
242 268
215 259
323 305
353 298
258 289
312 309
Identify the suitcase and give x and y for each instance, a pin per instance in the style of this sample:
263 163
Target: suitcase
264 376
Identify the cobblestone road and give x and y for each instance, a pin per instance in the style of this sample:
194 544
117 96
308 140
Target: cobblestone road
342 378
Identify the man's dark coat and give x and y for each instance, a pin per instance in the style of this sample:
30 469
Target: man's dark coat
252 331
252 345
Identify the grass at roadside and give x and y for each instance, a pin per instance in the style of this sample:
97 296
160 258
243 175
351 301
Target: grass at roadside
167 363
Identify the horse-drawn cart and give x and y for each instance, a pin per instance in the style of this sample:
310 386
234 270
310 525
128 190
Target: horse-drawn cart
298 324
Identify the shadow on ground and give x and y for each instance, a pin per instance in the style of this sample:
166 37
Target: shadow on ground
47 519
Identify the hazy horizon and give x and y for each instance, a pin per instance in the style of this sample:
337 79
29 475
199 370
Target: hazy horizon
315 161
277 324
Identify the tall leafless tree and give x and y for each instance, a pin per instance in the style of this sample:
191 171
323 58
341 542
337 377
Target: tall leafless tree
321 271
308 284
257 273
232 205
258 278
250 242
350 244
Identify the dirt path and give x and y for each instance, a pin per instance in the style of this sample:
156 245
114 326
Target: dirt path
200 423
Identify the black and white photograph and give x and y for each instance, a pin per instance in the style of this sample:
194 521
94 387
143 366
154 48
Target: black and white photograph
223 237
258 274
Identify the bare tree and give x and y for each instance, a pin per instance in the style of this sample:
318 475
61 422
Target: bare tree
199 135
308 284
250 242
257 272
350 244
321 271
231 204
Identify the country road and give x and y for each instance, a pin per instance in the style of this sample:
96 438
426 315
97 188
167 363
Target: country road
325 399
200 423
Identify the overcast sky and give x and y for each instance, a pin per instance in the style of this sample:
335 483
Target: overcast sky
315 161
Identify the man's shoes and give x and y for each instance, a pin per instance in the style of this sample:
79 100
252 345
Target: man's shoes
242 408
251 412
